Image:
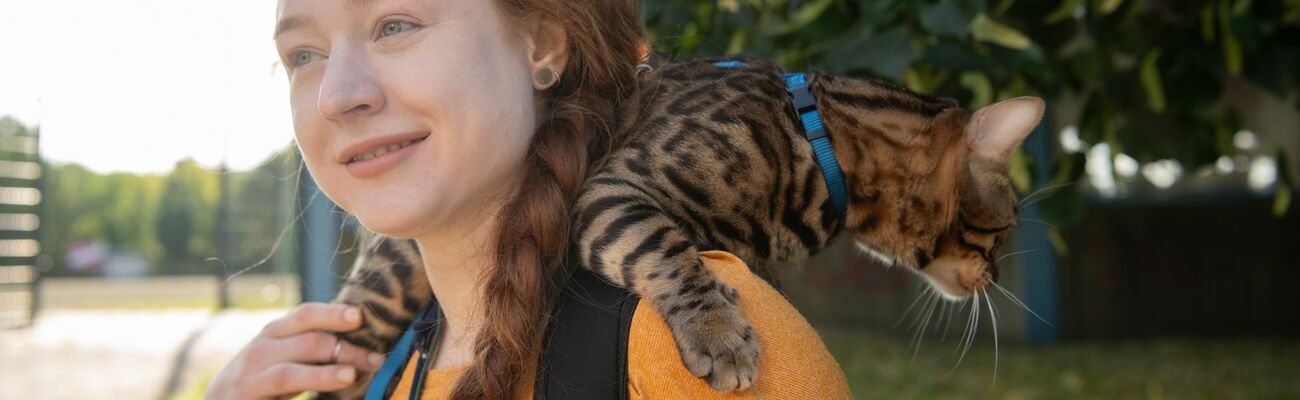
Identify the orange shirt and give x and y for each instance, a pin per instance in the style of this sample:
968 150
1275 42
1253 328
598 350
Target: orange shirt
793 364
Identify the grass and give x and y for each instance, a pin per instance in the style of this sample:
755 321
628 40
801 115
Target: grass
245 303
879 366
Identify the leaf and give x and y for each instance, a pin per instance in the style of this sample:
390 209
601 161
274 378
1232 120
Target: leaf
1286 183
1065 10
987 30
1231 47
1240 7
946 18
1105 7
980 86
1281 200
1058 241
1223 140
1019 173
737 43
803 16
1150 76
887 53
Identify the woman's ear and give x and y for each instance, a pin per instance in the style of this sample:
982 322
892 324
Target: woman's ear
547 44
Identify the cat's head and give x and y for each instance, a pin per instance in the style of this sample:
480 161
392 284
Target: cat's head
943 206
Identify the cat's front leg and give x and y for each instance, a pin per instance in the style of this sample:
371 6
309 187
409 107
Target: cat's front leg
631 242
714 339
388 284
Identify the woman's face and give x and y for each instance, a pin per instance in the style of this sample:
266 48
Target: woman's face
366 75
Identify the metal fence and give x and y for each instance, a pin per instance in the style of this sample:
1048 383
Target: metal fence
22 182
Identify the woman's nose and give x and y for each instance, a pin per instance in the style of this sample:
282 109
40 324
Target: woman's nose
348 88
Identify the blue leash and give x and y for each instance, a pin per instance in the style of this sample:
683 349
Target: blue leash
391 371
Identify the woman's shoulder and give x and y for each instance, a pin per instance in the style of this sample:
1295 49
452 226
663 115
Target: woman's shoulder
794 363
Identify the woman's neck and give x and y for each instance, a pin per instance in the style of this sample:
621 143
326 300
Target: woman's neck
454 261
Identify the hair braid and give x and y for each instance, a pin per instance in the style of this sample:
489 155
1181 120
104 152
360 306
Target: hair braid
532 229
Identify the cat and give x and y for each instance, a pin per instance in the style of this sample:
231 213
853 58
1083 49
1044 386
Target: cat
712 155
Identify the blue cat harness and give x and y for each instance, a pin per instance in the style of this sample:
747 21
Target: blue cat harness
805 107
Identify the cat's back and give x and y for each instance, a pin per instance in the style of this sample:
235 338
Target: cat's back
725 116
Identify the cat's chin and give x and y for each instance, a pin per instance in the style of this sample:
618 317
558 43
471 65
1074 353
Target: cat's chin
955 279
945 286
944 275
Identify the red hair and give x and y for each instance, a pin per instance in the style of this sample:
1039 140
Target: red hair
605 43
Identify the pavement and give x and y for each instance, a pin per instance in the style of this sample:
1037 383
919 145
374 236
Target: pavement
112 354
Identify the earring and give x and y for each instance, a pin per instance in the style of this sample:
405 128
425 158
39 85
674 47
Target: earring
545 77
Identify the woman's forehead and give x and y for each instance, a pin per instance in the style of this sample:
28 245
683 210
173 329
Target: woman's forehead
294 14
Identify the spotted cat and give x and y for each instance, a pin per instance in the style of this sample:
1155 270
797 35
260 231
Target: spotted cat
713 155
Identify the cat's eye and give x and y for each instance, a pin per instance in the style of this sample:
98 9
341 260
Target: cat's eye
394 27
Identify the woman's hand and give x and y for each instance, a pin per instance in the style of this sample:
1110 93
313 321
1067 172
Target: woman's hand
292 354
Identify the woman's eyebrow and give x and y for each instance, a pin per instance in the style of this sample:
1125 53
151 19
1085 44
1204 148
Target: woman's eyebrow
294 22
287 24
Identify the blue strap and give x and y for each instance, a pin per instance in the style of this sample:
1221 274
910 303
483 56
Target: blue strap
393 365
806 106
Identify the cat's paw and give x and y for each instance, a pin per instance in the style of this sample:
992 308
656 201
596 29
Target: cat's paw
718 345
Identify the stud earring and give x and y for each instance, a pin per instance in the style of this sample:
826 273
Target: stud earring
545 77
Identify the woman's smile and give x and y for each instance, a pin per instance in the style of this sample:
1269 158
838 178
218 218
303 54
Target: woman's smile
374 157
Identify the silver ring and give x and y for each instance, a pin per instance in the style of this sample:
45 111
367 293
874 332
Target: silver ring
338 345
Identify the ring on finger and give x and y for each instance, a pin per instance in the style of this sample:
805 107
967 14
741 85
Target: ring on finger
338 345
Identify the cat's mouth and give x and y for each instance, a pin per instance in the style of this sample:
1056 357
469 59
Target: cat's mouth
958 279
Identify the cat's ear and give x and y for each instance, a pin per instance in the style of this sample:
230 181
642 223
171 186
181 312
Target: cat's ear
997 129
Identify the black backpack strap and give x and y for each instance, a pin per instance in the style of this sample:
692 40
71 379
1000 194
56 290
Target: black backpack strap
584 352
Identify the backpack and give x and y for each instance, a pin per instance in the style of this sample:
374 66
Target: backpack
584 350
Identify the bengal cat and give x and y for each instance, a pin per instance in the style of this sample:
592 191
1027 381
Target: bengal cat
713 156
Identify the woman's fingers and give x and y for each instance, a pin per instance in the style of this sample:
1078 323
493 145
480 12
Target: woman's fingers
315 317
287 357
289 378
318 347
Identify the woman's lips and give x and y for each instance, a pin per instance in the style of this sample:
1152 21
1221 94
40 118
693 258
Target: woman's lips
361 169
369 145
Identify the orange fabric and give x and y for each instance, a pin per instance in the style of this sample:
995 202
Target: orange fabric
794 363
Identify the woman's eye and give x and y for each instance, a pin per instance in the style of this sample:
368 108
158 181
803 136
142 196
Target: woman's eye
301 58
391 28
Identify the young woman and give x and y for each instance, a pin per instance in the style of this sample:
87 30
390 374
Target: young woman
486 115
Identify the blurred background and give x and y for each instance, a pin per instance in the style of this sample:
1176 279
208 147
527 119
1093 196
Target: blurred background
154 213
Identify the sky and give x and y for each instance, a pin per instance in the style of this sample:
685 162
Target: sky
137 85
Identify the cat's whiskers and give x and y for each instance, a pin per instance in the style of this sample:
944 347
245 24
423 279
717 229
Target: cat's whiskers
1013 254
948 320
922 318
909 308
993 315
1016 300
942 310
928 317
1026 200
974 327
1048 224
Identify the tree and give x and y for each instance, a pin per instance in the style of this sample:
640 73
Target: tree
185 216
1146 77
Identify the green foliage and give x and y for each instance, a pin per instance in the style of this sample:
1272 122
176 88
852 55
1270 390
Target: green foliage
170 219
185 212
1148 76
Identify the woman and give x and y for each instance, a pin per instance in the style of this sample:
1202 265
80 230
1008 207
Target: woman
470 126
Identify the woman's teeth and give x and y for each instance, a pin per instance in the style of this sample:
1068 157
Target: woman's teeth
382 150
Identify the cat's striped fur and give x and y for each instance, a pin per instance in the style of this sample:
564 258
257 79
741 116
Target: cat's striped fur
715 158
